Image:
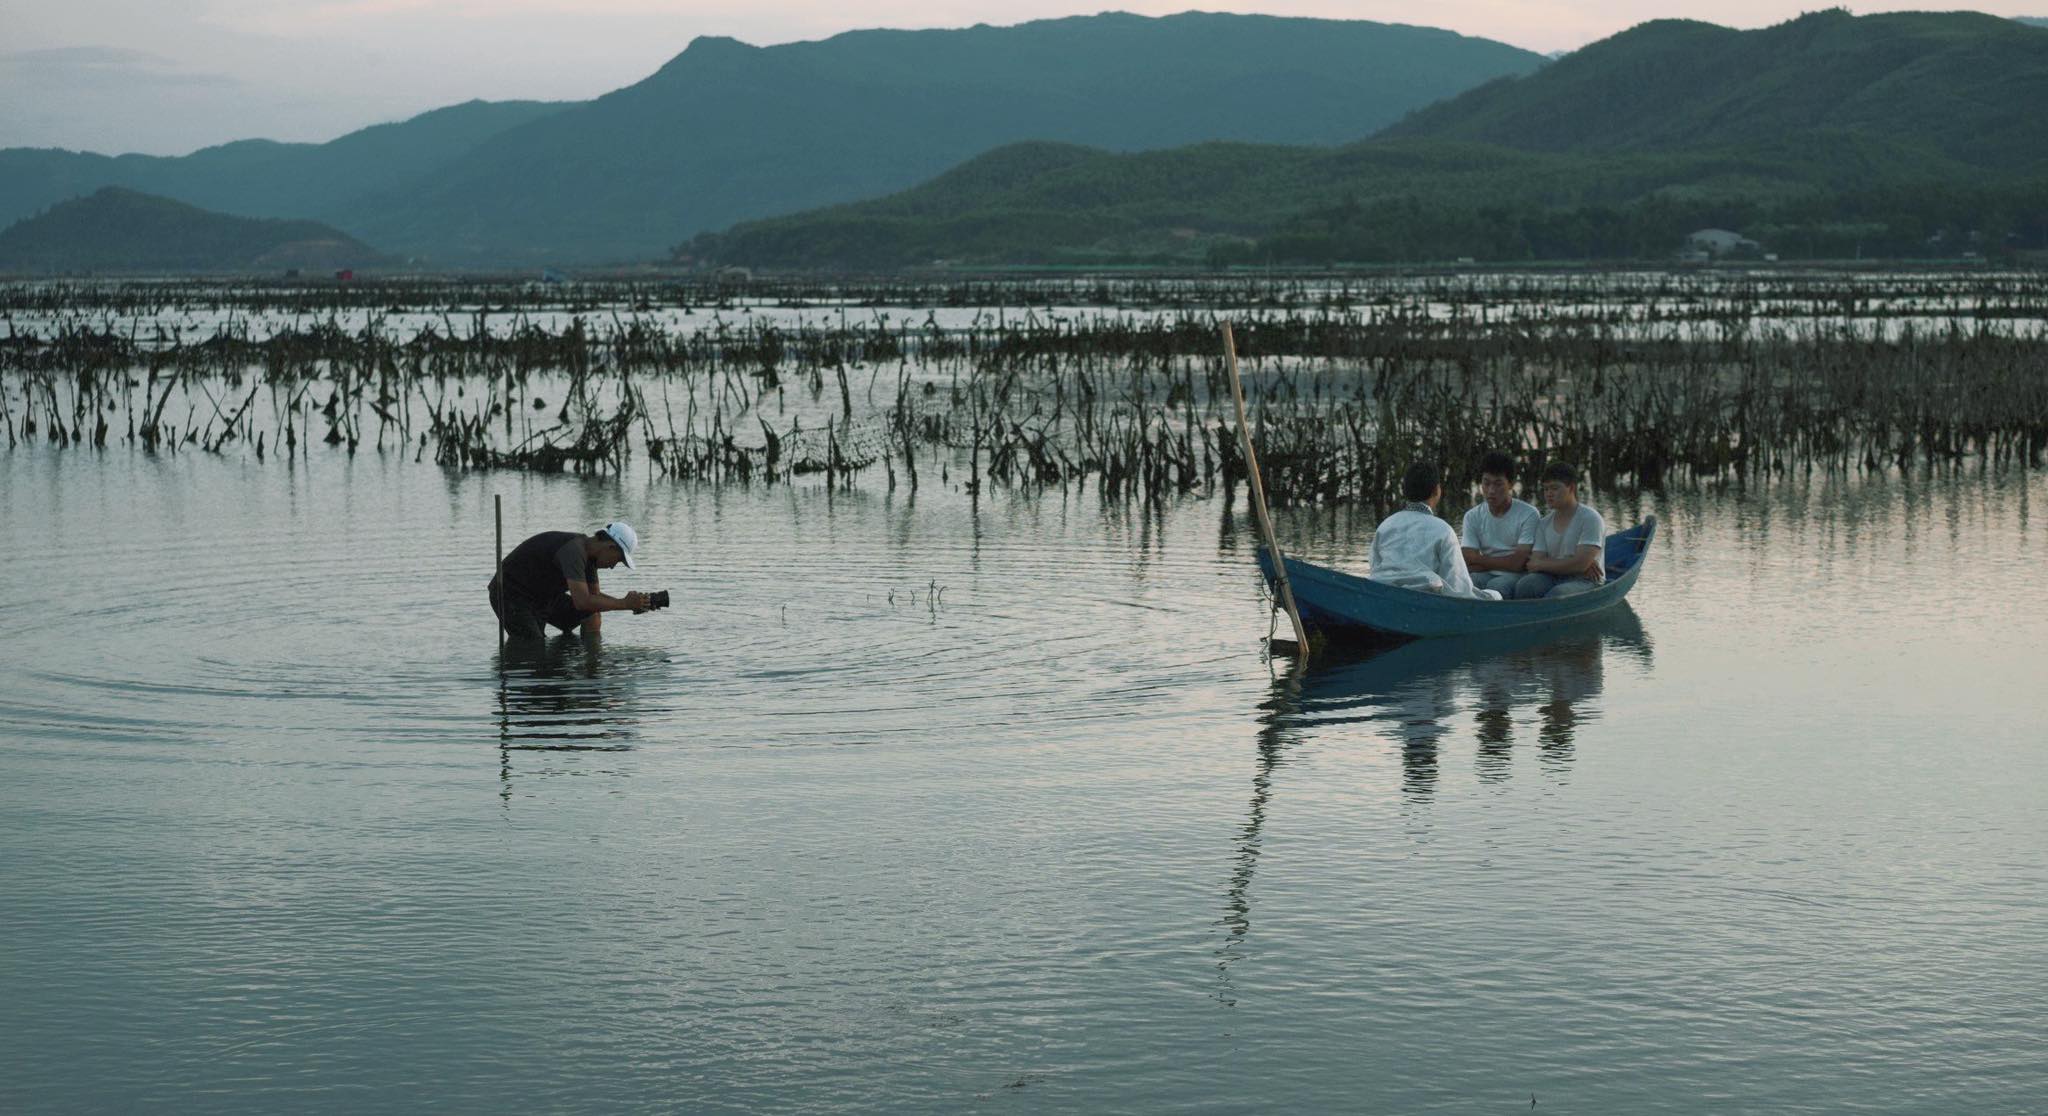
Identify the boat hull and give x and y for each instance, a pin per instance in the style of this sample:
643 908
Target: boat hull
1338 604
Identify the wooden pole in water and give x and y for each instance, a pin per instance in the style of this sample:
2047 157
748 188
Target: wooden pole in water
1251 462
498 504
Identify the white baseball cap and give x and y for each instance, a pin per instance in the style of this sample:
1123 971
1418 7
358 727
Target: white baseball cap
627 538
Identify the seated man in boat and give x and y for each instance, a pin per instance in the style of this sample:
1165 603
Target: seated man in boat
1571 542
551 578
1413 549
1500 532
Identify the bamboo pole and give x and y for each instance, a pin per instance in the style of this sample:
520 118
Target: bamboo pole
498 504
1251 461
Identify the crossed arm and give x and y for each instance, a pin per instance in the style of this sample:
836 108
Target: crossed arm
1585 562
1511 563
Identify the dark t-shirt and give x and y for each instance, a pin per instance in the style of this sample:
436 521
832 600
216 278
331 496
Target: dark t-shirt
540 569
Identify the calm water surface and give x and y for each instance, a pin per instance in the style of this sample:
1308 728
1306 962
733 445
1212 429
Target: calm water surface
934 806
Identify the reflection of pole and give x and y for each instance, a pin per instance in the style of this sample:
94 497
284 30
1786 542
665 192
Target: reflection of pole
504 730
498 503
1273 738
504 704
1251 461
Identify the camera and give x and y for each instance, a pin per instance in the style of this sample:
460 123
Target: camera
657 600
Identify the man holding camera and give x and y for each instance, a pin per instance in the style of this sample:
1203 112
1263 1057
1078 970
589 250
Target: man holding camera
551 578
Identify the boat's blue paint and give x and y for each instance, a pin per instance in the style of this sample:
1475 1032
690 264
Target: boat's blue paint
1339 604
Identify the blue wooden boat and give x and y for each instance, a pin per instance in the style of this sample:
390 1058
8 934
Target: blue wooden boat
1341 605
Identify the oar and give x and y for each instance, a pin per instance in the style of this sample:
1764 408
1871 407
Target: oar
1251 461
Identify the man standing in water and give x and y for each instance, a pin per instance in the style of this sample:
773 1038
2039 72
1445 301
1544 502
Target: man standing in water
1571 542
551 578
1413 549
1499 533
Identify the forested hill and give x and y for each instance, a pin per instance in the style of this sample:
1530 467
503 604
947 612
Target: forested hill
1968 86
728 131
1826 136
260 178
117 230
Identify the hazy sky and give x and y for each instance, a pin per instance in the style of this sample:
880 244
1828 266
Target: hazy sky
166 76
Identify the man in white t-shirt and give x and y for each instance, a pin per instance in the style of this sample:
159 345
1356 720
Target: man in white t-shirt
1413 549
1571 542
1499 533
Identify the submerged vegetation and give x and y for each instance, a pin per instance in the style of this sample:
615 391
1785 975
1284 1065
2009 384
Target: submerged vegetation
1120 385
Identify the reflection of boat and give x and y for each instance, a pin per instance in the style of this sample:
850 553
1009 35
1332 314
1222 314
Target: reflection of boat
1335 603
1416 689
1344 679
1413 695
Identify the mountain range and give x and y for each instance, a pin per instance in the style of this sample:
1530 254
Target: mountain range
1192 137
1838 132
727 131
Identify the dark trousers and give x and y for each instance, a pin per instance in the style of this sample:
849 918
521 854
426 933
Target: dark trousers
528 619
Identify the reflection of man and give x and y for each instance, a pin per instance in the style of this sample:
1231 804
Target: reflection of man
551 578
1495 680
1571 541
1413 549
1423 708
1500 532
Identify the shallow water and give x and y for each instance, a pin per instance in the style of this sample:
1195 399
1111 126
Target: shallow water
919 806
1641 305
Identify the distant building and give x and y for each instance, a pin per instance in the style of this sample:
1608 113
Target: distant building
1942 243
1714 244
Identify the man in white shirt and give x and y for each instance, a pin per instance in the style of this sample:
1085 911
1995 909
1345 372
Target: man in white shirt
1499 533
1571 542
1413 549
